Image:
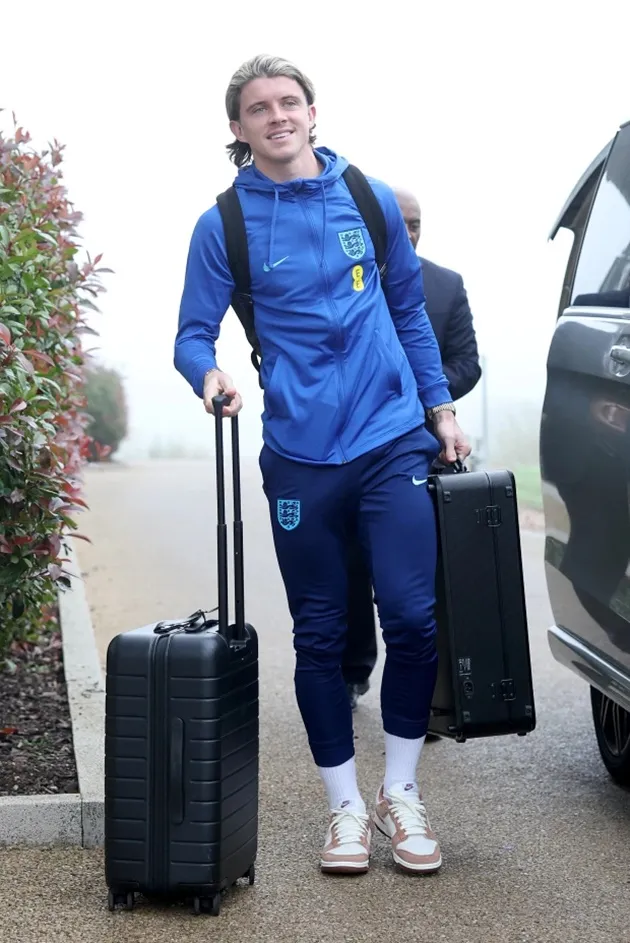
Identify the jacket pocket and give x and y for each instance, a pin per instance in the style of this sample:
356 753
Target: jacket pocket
392 370
274 397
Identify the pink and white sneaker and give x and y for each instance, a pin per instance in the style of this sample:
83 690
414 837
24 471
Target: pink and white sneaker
402 816
348 843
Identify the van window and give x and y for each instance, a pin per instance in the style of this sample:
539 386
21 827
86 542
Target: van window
602 277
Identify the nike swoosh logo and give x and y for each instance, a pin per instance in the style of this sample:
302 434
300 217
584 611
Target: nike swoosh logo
268 268
416 481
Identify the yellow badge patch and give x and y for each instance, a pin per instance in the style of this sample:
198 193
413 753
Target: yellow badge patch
357 278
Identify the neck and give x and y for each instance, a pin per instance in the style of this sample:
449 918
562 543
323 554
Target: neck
304 164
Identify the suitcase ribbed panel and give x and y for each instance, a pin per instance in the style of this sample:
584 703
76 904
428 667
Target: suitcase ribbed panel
181 795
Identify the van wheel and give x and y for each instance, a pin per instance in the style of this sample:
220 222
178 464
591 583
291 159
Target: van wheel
612 728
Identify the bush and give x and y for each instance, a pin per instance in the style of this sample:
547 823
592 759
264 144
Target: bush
43 296
107 411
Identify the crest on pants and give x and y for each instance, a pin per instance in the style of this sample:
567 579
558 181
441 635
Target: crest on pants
288 513
352 243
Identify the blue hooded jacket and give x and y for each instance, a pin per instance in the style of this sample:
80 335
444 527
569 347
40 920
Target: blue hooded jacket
346 366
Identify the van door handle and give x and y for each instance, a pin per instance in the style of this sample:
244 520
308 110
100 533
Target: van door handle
620 354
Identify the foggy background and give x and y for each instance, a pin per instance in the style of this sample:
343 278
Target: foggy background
488 111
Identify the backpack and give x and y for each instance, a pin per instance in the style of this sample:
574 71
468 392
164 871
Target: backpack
238 253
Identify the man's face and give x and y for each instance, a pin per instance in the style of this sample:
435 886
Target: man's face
410 210
275 119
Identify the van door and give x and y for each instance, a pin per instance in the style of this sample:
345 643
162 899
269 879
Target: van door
585 427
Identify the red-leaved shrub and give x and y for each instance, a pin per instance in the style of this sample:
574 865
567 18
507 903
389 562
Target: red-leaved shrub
44 293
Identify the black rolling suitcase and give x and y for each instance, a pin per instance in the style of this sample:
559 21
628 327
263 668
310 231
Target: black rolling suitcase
181 743
484 686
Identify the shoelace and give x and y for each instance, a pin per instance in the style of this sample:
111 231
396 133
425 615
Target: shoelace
410 814
349 826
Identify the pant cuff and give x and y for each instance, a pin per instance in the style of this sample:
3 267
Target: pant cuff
333 755
407 729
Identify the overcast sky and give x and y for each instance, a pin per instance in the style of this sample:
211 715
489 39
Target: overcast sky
488 114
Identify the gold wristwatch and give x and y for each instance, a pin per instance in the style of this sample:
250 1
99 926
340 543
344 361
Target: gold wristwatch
442 408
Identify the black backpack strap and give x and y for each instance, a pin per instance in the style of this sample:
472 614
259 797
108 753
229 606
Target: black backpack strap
238 260
371 211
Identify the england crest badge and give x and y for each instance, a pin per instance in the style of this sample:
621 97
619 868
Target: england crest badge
288 513
353 243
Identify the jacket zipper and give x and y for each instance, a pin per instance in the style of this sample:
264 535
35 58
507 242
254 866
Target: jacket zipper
333 308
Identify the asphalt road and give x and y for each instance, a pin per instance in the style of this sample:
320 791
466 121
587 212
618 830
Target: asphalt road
534 835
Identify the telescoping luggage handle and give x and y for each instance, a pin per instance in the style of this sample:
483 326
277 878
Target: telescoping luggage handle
218 402
198 621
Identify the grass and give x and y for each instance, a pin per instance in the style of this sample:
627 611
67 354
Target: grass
528 486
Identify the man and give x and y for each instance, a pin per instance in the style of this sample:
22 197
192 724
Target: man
450 316
346 385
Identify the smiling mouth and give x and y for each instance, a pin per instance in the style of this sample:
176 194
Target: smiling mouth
279 135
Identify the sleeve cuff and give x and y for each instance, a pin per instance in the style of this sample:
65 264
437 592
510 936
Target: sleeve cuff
435 395
200 375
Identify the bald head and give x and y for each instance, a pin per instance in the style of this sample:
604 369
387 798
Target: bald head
410 209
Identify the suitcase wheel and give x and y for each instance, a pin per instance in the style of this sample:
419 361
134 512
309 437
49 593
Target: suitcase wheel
127 900
251 875
211 905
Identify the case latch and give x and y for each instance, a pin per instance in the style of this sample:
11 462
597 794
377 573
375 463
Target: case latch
493 515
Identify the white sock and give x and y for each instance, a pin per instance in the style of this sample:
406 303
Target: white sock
401 760
341 786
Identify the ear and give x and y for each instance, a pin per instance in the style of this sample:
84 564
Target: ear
312 114
237 131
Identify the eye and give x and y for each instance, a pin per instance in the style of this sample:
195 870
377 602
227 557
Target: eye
291 102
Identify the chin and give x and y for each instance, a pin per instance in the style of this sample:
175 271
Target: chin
288 149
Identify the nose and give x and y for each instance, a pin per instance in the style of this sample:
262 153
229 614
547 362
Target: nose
276 114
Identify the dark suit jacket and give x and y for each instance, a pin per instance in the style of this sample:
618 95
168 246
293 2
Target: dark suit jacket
451 317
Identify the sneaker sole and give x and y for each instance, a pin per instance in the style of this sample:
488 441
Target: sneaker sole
405 865
344 867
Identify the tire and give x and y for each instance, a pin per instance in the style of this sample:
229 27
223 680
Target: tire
612 729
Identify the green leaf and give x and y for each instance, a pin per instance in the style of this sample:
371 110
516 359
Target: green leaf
24 235
86 303
48 381
45 237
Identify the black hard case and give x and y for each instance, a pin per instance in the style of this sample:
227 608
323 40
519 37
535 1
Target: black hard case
484 685
181 744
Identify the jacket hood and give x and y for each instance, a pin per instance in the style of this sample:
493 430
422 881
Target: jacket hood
250 178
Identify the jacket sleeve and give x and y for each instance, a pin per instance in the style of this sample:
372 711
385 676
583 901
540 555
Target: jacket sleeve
208 287
459 347
405 297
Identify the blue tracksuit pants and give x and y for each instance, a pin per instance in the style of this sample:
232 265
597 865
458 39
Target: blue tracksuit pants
312 508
